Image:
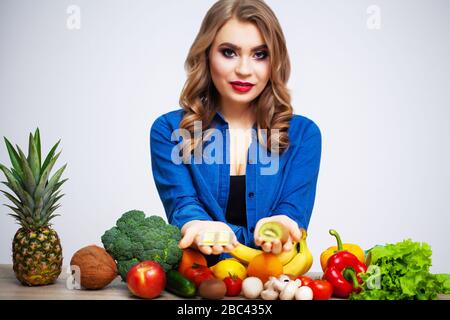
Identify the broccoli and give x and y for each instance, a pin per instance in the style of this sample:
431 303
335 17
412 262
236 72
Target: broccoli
137 238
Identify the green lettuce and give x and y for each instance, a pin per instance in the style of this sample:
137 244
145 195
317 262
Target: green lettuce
401 272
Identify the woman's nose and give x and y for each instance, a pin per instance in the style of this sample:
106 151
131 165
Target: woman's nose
244 67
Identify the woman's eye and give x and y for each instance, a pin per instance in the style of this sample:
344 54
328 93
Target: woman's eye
227 53
261 55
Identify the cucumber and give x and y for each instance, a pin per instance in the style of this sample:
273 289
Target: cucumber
179 284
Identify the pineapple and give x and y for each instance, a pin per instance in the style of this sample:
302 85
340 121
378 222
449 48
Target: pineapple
37 253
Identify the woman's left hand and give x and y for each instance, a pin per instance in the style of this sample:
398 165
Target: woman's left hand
277 246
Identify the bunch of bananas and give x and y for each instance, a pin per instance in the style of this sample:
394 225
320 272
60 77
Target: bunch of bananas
296 262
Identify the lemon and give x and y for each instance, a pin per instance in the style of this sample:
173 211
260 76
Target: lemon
228 267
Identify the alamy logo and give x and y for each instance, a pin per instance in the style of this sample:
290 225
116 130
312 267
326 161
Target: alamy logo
73 281
73 21
374 18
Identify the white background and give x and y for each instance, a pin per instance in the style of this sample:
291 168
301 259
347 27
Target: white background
380 97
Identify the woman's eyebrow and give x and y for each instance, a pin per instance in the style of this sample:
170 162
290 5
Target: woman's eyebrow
235 47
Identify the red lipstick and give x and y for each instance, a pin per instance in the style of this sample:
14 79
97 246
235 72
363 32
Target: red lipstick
240 86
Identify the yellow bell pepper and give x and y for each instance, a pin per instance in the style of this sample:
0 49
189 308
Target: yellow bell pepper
353 248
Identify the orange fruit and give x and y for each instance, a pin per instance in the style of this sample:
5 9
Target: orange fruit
264 266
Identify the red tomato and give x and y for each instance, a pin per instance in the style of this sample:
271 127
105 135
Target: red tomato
322 289
234 285
198 273
146 279
305 280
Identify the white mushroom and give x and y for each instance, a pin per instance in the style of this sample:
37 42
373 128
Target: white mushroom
288 292
284 278
269 294
270 283
298 282
252 287
304 293
281 282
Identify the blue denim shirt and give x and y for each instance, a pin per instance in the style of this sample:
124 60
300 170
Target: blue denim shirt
199 191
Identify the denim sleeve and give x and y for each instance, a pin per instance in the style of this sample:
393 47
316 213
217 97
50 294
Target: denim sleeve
299 190
173 181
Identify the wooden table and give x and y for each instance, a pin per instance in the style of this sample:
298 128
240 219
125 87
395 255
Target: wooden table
10 288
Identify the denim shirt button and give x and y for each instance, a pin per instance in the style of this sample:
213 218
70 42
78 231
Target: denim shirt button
251 194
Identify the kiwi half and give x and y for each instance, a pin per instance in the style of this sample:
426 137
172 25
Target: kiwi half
271 231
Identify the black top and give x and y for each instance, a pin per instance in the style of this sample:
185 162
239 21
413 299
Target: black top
236 208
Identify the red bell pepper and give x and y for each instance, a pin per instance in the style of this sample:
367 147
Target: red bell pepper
198 273
342 271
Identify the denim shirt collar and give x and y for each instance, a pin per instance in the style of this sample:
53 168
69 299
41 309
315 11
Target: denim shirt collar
220 119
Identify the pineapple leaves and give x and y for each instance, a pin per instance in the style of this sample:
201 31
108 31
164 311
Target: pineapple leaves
20 221
50 206
33 159
55 178
37 142
12 198
52 216
53 199
48 216
39 192
22 194
15 186
19 214
29 182
8 174
38 209
23 209
52 209
19 210
59 184
35 192
50 156
49 191
14 158
16 175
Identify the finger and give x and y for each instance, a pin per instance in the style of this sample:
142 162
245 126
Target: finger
267 246
288 245
205 249
188 238
231 246
233 241
258 241
296 234
217 249
228 248
276 246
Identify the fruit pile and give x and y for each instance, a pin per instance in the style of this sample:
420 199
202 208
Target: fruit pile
255 274
251 273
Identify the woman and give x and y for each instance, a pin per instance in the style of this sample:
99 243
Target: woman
238 68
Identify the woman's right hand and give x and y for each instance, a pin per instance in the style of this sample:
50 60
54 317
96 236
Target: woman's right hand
191 233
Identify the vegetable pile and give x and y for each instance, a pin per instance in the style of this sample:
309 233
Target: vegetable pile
149 259
137 238
402 272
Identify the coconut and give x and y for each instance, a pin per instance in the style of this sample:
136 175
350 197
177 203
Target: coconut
97 268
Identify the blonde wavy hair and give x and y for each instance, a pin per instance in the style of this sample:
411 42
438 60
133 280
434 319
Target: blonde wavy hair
199 97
